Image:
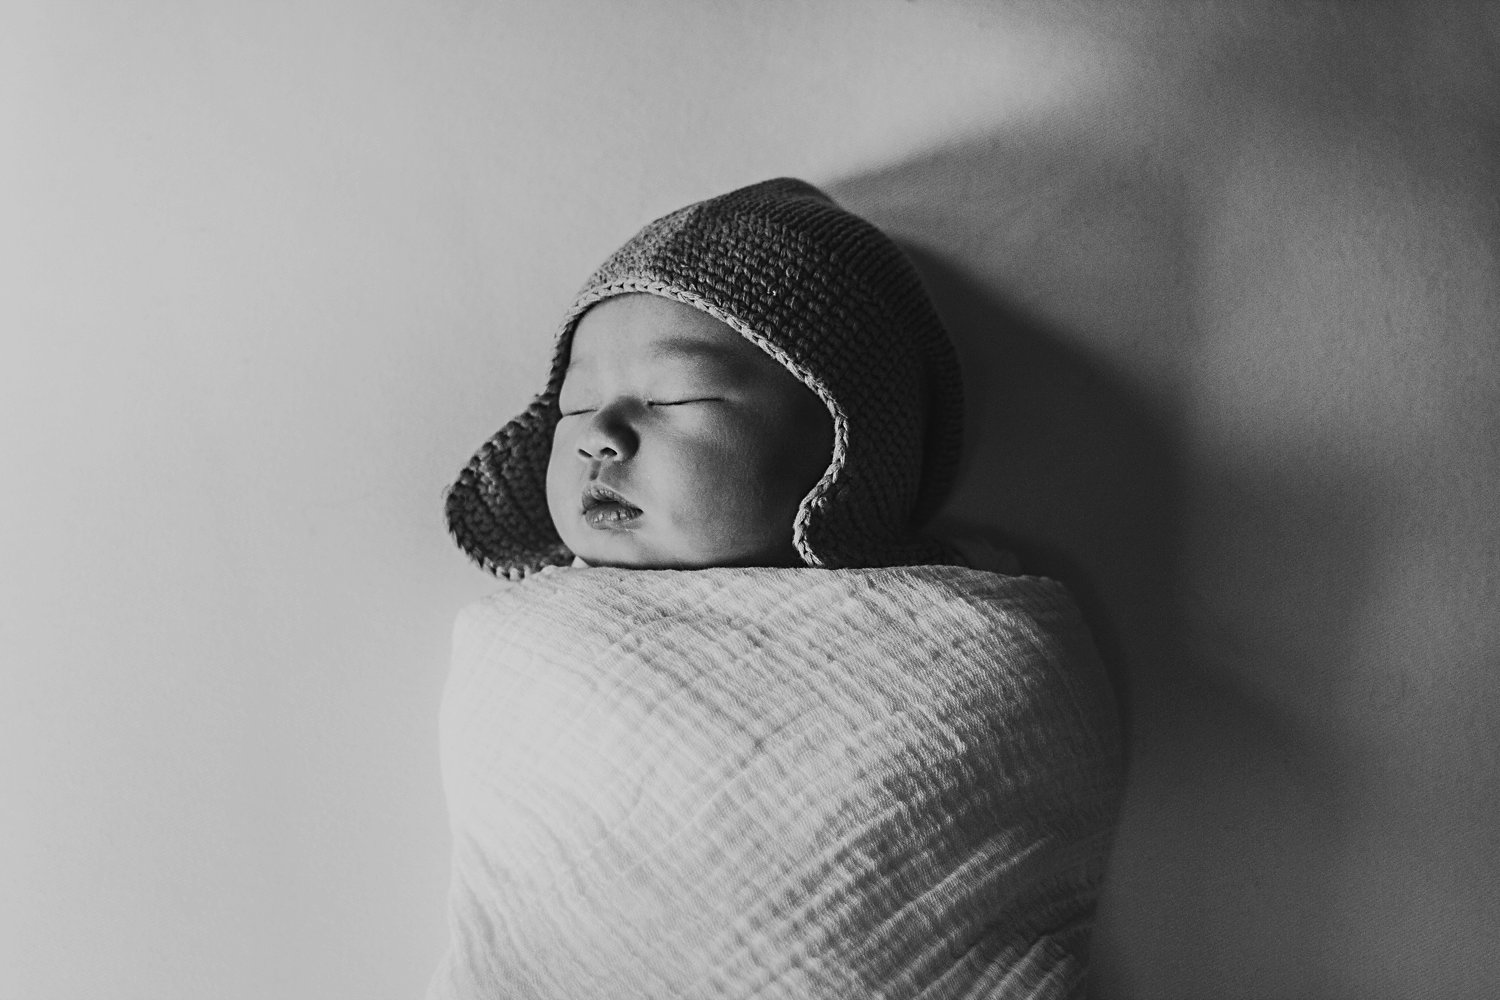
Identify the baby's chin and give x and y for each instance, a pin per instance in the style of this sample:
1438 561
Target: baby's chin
619 549
592 556
623 550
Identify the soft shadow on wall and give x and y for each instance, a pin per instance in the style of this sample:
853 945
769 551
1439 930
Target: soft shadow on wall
1064 272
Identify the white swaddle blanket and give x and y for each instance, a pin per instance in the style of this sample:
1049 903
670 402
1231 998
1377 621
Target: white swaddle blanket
767 783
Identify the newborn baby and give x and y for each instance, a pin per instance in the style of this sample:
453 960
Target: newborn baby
758 379
764 738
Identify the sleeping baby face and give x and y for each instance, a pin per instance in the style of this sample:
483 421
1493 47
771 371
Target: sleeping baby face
681 443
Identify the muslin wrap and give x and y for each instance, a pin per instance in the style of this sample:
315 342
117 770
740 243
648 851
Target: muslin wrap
775 783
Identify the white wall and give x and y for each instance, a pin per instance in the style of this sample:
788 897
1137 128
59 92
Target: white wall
1226 279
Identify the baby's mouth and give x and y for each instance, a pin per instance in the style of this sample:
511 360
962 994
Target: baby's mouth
606 510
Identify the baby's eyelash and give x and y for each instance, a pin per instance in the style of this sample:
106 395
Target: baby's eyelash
650 402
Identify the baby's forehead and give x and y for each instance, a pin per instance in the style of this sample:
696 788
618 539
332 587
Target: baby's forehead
650 333
603 351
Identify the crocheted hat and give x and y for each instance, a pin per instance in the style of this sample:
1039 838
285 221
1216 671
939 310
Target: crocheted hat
823 292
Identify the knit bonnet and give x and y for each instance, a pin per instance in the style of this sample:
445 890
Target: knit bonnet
833 300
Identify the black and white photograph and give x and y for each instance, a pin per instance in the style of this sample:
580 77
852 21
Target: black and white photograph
750 500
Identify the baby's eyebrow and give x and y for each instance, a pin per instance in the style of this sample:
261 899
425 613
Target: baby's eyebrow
701 356
689 349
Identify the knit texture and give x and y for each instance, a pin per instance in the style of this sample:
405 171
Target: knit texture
775 784
832 299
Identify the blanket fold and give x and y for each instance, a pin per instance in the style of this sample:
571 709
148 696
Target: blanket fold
767 783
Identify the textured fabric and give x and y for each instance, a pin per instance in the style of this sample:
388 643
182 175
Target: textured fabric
823 292
775 783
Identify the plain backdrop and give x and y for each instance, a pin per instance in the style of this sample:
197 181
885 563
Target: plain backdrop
1225 278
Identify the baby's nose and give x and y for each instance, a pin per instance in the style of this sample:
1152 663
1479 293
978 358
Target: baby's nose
607 436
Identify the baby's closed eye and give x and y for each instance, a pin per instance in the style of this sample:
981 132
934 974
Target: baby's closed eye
684 402
579 410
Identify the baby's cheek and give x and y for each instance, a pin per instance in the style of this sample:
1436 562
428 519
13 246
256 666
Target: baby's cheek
737 501
733 460
558 479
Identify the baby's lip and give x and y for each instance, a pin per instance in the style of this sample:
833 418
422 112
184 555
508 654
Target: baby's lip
597 494
607 508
